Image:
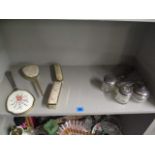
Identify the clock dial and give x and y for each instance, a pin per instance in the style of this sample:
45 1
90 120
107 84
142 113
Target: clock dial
19 102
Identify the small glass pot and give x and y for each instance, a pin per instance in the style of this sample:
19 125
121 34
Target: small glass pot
108 84
123 94
140 94
17 131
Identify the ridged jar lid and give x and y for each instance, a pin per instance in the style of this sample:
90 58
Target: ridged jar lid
125 90
141 90
110 79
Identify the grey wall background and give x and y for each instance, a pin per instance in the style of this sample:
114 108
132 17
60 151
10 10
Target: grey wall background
77 43
146 56
71 42
4 61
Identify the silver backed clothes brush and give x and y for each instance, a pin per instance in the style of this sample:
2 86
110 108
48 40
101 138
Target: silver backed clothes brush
56 88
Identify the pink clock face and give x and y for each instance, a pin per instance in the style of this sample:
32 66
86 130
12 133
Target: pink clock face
19 102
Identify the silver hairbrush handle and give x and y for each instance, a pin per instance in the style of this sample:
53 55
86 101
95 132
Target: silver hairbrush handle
9 76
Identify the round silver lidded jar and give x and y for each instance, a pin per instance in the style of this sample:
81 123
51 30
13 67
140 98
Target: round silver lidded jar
123 94
140 94
108 84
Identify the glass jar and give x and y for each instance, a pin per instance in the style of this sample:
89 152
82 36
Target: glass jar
108 84
123 94
140 94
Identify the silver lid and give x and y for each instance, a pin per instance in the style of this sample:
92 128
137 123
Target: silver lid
142 91
125 90
110 79
124 83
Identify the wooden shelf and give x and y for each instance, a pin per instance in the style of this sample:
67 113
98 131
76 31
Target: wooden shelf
80 90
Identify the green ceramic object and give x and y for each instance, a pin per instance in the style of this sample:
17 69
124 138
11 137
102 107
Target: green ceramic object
51 127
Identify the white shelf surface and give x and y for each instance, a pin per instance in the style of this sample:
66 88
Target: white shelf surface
80 89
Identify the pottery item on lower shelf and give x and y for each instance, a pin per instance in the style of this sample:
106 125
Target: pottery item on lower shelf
106 128
18 130
67 118
51 127
97 118
88 123
73 128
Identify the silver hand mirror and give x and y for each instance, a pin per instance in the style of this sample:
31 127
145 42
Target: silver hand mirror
31 72
19 101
